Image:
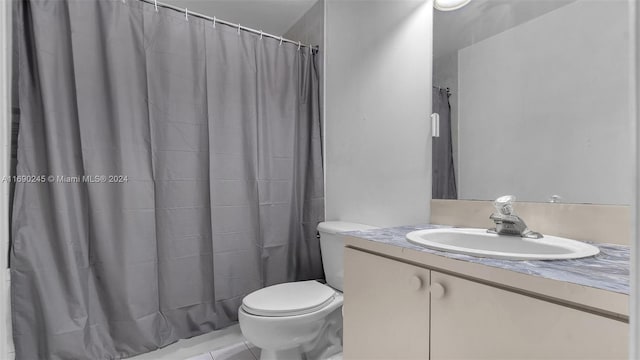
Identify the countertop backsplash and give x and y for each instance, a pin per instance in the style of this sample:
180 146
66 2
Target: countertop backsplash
609 224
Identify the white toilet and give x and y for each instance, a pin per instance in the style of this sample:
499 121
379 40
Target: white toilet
302 319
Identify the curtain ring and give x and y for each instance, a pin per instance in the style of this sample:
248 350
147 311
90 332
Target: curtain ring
299 45
186 14
155 3
280 40
214 22
238 29
260 34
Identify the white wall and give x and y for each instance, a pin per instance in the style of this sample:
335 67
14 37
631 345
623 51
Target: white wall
544 108
310 27
377 106
271 16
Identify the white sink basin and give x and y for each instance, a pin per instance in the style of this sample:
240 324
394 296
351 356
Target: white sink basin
478 242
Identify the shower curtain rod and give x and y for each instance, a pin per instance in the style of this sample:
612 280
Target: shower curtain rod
216 21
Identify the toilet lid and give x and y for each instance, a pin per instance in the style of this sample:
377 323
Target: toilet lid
288 299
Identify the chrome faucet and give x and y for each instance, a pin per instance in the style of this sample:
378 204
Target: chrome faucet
507 222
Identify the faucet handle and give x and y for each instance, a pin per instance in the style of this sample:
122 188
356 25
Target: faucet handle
555 199
504 204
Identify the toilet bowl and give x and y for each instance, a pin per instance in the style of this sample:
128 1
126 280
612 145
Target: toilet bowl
297 320
291 319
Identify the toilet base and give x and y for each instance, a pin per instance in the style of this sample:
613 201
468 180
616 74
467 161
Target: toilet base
312 336
285 354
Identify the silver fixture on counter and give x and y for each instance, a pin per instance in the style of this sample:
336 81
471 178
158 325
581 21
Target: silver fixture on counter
507 222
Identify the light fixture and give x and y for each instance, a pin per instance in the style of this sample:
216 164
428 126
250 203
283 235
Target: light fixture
449 5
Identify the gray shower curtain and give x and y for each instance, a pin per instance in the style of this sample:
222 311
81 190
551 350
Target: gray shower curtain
201 151
443 185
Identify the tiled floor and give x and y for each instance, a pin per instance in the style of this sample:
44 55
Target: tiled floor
228 344
239 351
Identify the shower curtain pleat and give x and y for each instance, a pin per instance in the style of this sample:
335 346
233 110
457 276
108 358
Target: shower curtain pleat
219 137
233 134
309 175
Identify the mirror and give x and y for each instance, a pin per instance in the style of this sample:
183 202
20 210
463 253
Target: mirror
538 101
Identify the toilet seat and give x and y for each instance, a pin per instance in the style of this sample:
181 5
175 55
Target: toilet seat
288 299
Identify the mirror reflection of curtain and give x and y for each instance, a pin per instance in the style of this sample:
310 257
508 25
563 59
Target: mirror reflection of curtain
444 178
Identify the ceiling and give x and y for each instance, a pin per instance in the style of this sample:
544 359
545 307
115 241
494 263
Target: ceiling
271 16
481 19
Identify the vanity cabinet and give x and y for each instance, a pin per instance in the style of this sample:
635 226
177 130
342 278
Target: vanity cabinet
386 308
389 314
473 321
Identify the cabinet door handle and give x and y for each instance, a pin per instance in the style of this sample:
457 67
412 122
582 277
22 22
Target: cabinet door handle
415 282
437 290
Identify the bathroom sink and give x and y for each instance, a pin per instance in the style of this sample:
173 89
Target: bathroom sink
478 242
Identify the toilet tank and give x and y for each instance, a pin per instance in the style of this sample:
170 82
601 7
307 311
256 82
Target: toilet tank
332 247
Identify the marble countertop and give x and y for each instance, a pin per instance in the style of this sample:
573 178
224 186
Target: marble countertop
609 270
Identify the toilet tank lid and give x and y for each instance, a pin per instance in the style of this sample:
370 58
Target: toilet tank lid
333 227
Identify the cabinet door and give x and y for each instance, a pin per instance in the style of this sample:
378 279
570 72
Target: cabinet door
476 321
386 308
